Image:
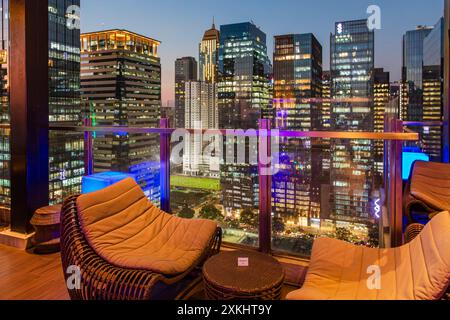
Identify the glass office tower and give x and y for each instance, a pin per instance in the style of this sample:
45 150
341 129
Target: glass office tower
352 64
245 69
244 94
433 85
121 84
297 91
66 149
412 72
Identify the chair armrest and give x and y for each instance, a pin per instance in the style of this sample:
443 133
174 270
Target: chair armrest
412 231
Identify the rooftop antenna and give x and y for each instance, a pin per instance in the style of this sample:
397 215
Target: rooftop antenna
214 23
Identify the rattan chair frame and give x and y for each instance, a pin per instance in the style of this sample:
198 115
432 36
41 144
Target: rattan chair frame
102 281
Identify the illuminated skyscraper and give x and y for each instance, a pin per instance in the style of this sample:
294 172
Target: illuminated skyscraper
244 96
297 94
382 95
209 55
185 70
352 64
244 69
326 100
121 82
201 113
66 150
433 82
412 74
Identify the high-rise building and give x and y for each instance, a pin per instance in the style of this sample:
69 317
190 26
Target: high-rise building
297 102
381 98
412 72
66 161
121 84
5 154
185 70
352 64
433 90
297 82
244 69
201 113
244 96
209 55
326 100
66 154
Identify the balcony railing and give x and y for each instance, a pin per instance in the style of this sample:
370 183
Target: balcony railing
322 183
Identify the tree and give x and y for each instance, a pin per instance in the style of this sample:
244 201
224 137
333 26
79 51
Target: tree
278 225
343 234
249 218
210 212
186 213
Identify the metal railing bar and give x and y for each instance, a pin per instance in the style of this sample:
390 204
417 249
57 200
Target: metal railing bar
388 136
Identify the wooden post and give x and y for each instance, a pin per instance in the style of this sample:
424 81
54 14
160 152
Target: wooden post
29 110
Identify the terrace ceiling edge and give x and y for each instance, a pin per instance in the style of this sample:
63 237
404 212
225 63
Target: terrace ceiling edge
28 110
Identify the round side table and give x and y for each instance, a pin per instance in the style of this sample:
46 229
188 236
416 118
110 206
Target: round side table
224 280
46 222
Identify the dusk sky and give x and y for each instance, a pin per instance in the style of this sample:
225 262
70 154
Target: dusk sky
180 24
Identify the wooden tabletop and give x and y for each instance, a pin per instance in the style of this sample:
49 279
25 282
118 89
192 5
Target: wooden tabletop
263 273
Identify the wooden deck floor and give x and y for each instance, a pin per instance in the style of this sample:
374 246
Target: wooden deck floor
25 276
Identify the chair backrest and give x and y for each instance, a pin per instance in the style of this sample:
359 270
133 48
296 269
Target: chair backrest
423 266
430 183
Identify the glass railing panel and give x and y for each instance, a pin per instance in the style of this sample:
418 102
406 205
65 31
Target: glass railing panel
215 176
5 184
325 187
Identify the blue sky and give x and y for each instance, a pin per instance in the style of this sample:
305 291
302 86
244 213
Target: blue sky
180 24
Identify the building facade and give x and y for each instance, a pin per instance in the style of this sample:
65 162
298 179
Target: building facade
201 113
297 94
412 72
185 70
381 98
244 67
66 150
352 89
209 55
244 95
121 86
433 91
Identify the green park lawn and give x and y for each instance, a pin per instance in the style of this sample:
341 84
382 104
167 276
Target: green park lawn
195 183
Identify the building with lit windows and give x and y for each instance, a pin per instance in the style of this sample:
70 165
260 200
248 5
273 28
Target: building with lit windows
121 84
381 98
433 84
412 71
297 103
352 64
201 113
66 150
209 55
185 70
244 95
326 100
244 69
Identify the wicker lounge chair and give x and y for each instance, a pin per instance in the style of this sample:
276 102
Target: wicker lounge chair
419 270
428 191
127 249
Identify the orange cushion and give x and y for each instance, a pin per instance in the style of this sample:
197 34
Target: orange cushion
128 231
419 270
